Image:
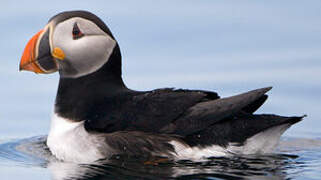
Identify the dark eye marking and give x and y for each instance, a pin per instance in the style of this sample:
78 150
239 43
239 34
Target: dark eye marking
76 33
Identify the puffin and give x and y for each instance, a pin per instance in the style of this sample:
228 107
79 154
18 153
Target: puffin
96 116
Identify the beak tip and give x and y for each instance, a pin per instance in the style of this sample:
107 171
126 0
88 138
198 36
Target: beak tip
28 59
21 67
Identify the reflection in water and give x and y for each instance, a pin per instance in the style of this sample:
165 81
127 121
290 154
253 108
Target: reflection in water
34 152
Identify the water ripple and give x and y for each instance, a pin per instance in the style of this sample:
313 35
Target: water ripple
297 159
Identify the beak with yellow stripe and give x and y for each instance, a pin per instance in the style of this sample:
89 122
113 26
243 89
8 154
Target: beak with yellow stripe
39 56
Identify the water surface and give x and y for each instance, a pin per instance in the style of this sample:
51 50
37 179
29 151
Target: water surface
291 160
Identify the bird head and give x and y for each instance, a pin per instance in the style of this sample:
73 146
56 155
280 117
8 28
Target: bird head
75 43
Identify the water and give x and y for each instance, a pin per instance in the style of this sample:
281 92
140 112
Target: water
228 47
291 161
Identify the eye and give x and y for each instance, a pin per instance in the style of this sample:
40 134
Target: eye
76 33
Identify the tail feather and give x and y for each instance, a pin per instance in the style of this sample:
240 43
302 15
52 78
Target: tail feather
238 129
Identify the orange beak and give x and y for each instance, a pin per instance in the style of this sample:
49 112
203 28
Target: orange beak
28 60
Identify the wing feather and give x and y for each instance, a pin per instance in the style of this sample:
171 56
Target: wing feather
204 114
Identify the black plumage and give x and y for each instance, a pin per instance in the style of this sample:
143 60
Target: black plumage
198 118
237 129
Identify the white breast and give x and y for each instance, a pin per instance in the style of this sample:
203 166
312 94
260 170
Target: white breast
69 141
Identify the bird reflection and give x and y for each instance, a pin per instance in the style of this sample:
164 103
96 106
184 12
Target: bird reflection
275 166
250 167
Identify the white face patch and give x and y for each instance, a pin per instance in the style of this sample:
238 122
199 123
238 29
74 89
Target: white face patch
84 55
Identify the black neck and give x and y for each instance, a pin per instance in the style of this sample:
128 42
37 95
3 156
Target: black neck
77 96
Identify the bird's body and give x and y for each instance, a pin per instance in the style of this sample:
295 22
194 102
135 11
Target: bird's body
70 141
96 116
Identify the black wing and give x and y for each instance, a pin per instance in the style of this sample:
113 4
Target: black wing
144 111
170 111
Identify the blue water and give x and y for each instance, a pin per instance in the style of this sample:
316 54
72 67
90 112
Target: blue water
32 159
227 47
